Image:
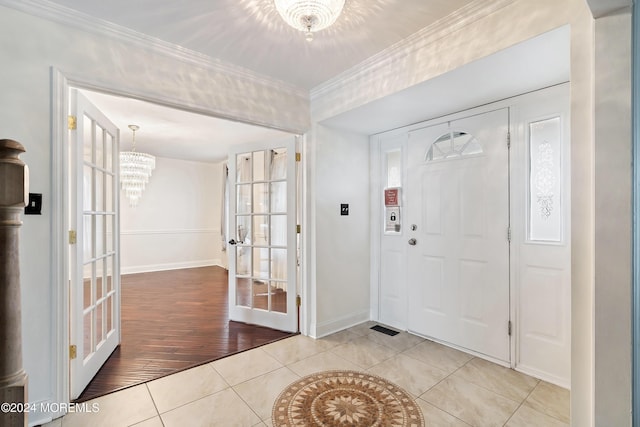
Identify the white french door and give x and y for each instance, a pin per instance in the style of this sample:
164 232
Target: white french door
262 229
94 257
457 222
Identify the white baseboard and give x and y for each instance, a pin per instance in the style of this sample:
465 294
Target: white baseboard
170 266
327 328
544 376
36 415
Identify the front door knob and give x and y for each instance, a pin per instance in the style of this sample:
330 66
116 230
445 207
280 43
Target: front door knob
413 242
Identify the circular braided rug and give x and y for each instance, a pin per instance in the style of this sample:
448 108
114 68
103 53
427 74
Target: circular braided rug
345 398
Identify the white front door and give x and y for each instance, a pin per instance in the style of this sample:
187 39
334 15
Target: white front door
458 221
262 229
94 257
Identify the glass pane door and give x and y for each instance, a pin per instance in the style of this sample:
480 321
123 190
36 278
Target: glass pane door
262 248
94 270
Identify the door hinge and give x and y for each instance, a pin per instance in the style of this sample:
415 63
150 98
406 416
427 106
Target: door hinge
509 234
509 327
298 229
73 352
72 122
508 139
73 237
298 157
298 301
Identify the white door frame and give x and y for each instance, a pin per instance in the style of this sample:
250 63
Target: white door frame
59 333
376 185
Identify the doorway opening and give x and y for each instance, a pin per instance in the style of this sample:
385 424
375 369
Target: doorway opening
188 237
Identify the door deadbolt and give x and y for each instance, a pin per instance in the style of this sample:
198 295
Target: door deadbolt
414 227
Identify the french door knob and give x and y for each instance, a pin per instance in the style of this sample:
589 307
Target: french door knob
232 242
413 242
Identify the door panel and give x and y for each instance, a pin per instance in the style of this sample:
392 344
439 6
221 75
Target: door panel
458 272
94 269
543 240
262 221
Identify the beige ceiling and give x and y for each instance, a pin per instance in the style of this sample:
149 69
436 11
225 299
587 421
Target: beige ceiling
251 33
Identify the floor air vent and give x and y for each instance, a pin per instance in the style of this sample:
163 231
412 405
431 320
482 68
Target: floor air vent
384 330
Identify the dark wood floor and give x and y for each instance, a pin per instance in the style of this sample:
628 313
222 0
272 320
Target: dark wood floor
173 320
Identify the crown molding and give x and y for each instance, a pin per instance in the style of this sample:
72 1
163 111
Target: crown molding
439 29
63 15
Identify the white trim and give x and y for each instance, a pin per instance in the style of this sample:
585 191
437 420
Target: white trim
171 266
59 248
82 21
37 418
375 185
327 328
309 230
439 29
168 231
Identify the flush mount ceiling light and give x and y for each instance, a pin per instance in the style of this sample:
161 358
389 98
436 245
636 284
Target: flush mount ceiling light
135 170
309 16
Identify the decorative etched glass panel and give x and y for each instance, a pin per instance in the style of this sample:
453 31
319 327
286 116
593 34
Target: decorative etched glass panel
453 144
394 168
545 180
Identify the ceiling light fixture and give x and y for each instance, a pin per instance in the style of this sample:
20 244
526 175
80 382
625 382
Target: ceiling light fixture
309 16
135 170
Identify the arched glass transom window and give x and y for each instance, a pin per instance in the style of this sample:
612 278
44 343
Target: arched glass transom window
453 144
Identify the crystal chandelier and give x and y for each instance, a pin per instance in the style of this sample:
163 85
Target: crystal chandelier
135 170
309 15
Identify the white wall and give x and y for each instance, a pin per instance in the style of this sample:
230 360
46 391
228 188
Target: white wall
503 24
342 242
613 183
177 221
29 47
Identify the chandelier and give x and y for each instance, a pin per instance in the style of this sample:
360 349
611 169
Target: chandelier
309 16
135 170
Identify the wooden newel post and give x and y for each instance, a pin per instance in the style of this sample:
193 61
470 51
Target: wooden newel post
14 183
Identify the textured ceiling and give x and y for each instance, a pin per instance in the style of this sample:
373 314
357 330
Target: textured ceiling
251 33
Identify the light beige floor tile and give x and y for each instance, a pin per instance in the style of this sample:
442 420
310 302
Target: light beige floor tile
363 328
471 403
364 352
551 400
434 417
246 365
341 337
260 393
439 356
296 348
151 422
123 408
175 390
527 417
326 361
55 423
414 376
504 381
400 342
224 408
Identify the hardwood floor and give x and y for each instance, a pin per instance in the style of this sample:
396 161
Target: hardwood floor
173 320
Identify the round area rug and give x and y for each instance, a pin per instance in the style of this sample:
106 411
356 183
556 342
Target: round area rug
345 398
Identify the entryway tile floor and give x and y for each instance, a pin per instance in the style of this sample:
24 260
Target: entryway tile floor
451 387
